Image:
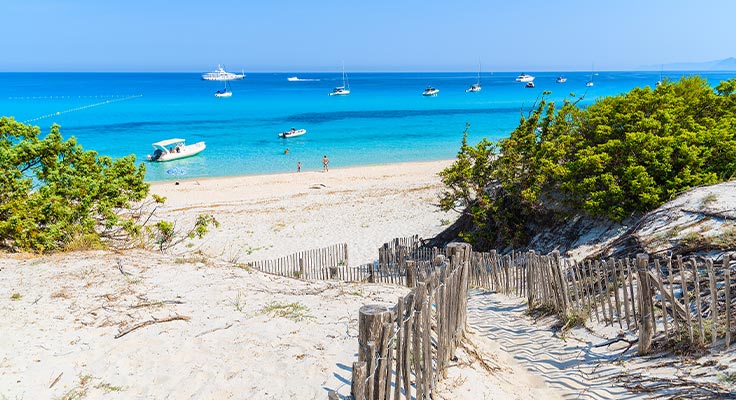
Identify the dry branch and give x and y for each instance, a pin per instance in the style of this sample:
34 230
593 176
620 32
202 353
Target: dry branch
214 330
156 303
176 317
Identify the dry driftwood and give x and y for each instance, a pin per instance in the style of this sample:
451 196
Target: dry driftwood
176 317
56 380
156 303
214 330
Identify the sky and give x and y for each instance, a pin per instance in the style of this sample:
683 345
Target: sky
373 35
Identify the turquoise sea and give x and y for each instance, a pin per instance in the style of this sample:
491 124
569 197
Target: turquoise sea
384 119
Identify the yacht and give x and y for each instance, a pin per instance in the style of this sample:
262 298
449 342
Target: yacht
524 78
561 79
430 91
529 85
343 90
221 75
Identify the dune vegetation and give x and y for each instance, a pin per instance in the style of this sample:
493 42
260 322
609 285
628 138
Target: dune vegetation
618 157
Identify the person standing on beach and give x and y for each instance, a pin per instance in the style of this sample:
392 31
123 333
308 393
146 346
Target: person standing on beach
298 166
325 163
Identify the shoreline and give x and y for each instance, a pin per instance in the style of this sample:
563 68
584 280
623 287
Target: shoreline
399 163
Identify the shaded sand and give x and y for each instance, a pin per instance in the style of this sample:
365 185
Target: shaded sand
267 216
572 364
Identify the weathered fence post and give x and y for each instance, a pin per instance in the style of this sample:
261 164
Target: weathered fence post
357 388
411 274
371 318
646 332
727 272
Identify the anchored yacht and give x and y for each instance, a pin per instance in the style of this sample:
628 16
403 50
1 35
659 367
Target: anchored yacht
221 75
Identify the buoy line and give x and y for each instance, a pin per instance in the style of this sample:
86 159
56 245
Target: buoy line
101 96
102 103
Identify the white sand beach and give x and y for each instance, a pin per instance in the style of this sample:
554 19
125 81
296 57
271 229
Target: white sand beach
267 216
215 329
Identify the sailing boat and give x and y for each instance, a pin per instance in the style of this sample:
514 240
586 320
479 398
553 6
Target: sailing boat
659 82
590 82
343 90
476 87
227 91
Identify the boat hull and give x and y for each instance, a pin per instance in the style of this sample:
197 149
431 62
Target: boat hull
343 92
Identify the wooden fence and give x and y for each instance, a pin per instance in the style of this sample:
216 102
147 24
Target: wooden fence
684 299
417 337
331 263
319 264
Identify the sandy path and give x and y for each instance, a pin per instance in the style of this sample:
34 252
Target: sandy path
573 366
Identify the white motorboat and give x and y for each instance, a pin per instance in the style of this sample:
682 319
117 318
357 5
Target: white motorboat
430 91
221 75
561 79
476 87
225 92
529 85
293 132
174 149
343 90
524 78
297 79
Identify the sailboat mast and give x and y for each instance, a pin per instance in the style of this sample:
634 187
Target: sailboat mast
345 82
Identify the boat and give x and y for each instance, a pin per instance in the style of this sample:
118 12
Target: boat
297 79
476 87
529 85
293 132
225 92
430 91
524 78
660 81
343 90
561 79
221 75
590 82
174 149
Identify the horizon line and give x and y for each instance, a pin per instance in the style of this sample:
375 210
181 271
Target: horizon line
361 71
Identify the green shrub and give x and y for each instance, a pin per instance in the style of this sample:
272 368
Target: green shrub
620 156
52 192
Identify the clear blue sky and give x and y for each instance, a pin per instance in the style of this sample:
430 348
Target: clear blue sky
369 35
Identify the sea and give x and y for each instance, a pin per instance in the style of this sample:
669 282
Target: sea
385 119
